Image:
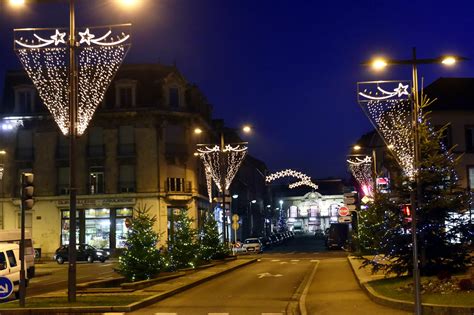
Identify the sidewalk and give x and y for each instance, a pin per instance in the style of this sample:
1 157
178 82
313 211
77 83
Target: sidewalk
153 293
363 276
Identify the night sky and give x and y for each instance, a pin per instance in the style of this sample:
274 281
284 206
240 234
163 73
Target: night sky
287 67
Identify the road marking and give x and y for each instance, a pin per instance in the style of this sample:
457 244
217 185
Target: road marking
283 262
302 301
314 260
275 259
295 260
267 274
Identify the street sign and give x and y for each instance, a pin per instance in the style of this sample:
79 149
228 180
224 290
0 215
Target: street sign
235 225
343 211
351 207
346 219
6 287
366 199
349 200
235 218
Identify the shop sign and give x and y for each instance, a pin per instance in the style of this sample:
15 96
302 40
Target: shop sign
85 203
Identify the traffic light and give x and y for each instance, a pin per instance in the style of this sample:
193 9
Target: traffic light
27 190
406 212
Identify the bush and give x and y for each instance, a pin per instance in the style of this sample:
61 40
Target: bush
443 275
465 284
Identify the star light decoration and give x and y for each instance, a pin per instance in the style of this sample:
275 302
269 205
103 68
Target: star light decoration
304 180
361 169
232 155
46 60
388 106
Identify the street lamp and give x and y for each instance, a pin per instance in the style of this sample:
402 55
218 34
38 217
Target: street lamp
379 64
250 216
76 123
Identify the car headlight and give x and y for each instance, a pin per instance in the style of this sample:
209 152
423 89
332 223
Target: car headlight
99 253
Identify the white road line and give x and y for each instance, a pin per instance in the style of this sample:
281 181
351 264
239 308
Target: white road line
283 262
302 302
314 260
275 259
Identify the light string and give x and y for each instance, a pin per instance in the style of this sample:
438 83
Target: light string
304 180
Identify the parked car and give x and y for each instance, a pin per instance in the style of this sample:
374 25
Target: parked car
10 265
84 253
253 245
13 237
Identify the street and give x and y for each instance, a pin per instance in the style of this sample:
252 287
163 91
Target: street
270 285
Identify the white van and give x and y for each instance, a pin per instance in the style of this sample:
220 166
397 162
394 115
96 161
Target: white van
13 237
10 264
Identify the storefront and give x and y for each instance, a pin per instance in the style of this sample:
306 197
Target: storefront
101 227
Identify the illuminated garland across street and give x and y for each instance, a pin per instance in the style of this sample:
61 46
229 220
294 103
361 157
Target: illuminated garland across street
208 173
233 156
45 58
304 179
387 104
361 169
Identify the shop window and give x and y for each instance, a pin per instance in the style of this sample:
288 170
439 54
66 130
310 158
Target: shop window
65 227
97 227
122 221
63 180
24 100
28 220
126 141
127 178
470 176
175 184
96 180
173 94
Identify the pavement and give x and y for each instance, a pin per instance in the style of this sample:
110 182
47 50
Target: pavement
364 276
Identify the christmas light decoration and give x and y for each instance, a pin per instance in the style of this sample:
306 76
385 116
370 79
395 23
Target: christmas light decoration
388 106
208 173
45 59
304 179
232 156
361 169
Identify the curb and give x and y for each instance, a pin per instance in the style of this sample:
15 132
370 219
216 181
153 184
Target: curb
427 309
128 308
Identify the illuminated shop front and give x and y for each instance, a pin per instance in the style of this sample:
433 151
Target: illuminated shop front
312 212
98 227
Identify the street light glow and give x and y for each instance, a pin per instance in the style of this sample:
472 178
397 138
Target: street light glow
17 3
198 131
247 129
235 196
254 201
379 64
357 147
128 3
3 152
448 61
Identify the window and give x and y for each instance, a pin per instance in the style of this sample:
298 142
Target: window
469 130
174 97
126 141
470 176
127 178
97 233
175 184
125 93
63 180
122 217
62 149
28 220
96 180
96 142
11 258
24 150
3 261
24 100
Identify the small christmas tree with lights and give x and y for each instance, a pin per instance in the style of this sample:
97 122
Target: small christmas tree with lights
443 229
211 245
183 249
141 259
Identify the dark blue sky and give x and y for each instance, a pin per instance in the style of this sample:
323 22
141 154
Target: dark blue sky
287 67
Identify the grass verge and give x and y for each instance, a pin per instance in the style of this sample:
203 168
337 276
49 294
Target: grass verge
96 300
388 288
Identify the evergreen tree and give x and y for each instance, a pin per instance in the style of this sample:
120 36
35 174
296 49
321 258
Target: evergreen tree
211 245
141 259
442 227
281 225
183 249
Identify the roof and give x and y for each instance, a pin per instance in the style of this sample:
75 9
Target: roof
451 94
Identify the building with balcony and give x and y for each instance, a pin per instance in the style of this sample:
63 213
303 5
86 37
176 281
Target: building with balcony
137 150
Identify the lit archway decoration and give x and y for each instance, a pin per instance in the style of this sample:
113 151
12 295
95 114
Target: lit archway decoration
232 157
361 169
388 105
304 180
45 58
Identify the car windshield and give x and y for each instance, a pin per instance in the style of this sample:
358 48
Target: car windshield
251 241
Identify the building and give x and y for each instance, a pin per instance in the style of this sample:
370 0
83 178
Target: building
137 151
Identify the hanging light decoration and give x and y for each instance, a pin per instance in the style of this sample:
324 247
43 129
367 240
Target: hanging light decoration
388 106
305 180
361 169
45 59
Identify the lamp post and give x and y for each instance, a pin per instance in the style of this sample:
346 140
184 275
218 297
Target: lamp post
250 216
222 173
415 193
72 73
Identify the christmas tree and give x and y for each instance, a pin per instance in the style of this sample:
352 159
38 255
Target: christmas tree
442 226
183 247
210 245
141 259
